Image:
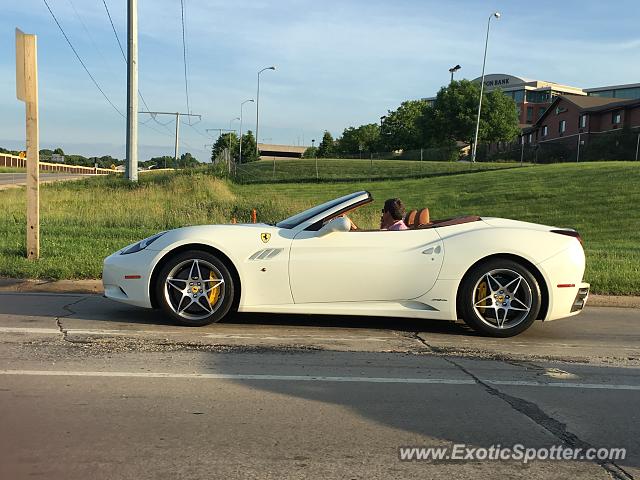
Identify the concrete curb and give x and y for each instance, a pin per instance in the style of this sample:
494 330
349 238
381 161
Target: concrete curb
95 287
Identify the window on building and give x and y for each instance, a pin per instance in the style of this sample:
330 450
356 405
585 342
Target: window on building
541 111
545 130
583 121
518 96
529 114
616 117
562 126
602 93
537 96
633 92
530 137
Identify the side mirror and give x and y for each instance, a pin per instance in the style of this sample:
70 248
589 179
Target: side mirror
338 224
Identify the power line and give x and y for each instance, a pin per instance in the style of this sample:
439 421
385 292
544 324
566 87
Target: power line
81 62
124 56
184 55
84 26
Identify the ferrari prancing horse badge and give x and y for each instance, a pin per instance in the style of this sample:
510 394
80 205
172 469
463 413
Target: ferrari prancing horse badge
265 237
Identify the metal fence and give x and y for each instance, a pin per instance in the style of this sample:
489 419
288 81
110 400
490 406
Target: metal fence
435 154
13 161
582 147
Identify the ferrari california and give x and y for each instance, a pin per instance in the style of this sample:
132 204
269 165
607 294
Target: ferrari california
497 275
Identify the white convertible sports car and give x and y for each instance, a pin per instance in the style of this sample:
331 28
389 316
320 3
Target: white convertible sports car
498 275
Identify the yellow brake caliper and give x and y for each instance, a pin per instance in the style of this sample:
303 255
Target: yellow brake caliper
482 293
215 293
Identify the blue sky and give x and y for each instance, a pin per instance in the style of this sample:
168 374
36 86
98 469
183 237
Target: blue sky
339 63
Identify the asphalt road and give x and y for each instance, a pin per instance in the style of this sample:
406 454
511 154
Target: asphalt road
90 388
21 178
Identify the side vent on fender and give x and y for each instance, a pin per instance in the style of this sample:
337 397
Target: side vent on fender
266 254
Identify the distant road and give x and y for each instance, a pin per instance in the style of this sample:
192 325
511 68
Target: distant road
21 178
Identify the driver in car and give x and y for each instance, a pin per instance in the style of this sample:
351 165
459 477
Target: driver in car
392 215
391 218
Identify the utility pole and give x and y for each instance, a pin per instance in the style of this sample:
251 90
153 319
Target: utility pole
178 115
219 130
132 91
27 91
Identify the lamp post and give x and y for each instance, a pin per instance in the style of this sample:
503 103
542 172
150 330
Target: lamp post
381 141
258 105
242 105
231 130
484 61
453 70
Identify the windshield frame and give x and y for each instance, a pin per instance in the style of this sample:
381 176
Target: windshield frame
312 214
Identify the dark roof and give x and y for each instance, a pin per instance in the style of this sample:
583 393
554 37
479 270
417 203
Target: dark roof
586 101
590 104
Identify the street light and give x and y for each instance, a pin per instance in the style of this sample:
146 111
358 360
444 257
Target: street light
486 42
242 105
258 104
453 70
231 130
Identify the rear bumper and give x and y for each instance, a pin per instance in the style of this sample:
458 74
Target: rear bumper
581 298
569 301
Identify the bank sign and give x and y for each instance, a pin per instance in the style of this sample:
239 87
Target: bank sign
500 81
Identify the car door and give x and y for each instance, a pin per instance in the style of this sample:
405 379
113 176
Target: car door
364 265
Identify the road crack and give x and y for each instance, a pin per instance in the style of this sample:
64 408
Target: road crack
537 415
69 313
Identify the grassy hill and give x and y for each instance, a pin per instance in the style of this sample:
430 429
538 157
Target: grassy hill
84 221
333 169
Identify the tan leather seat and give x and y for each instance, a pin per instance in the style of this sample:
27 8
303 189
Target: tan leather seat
410 218
417 218
422 218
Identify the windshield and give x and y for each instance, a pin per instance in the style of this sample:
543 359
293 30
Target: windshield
298 218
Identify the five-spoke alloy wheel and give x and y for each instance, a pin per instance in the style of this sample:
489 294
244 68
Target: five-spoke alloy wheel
195 288
500 298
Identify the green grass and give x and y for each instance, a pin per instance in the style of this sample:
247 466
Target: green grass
331 169
84 221
12 170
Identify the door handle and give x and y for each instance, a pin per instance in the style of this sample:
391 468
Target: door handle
431 250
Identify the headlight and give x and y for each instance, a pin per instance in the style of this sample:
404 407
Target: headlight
141 245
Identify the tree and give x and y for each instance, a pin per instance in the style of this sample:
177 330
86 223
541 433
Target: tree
188 161
401 130
249 147
226 141
455 112
501 117
58 151
327 146
311 152
363 138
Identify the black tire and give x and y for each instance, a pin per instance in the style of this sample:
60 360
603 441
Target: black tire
210 271
483 307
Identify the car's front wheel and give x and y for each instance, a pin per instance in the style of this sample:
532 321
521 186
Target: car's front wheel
195 288
500 298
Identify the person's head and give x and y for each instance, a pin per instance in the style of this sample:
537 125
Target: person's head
392 211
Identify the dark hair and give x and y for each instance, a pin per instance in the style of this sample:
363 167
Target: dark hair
395 207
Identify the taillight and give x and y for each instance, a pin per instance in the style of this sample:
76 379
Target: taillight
569 233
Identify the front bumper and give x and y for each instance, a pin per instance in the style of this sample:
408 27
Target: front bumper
126 278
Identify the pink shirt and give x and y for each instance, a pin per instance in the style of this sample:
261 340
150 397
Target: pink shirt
399 225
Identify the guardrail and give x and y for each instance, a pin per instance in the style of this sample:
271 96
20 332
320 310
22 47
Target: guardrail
17 162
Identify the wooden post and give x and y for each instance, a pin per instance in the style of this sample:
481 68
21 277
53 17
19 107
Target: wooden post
27 91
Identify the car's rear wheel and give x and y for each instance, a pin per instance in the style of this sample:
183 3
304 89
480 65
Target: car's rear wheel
195 288
500 298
